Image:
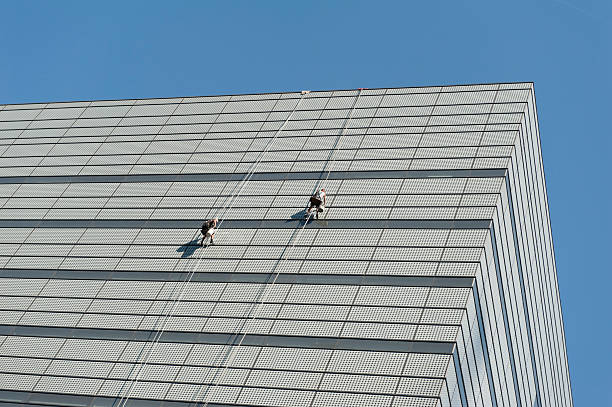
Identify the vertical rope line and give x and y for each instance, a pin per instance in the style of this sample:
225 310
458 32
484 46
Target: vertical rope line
302 262
173 295
186 282
276 274
257 308
241 161
334 149
139 366
253 167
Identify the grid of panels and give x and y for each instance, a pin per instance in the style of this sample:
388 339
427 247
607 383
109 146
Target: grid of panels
188 130
399 288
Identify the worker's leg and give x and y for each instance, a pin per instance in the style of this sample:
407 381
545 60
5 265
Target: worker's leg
211 233
205 234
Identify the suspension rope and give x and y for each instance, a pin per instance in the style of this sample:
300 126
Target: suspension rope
165 318
266 290
142 364
124 399
333 152
254 165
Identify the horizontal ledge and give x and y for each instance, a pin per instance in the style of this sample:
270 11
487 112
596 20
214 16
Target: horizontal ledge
257 176
333 127
15 398
284 341
18 398
285 110
212 277
249 223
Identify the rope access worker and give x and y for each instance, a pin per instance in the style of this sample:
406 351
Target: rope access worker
318 201
209 228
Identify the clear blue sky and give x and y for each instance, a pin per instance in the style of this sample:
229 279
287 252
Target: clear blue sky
75 50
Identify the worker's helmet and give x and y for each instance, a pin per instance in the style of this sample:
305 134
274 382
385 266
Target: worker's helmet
323 189
216 219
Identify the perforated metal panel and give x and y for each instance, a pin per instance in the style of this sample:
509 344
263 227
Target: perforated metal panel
367 362
345 400
101 205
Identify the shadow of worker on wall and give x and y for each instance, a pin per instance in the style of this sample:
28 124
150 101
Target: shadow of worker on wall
189 248
301 217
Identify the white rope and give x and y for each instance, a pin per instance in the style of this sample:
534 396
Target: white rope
254 165
266 291
165 318
333 152
124 399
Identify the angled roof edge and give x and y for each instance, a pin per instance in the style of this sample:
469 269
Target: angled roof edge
530 84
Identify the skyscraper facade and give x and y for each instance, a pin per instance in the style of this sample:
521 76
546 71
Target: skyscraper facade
428 280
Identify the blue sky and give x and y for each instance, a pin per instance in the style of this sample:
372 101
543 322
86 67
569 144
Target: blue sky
76 50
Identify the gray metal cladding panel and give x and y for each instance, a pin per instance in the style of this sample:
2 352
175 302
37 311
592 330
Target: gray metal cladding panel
430 194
